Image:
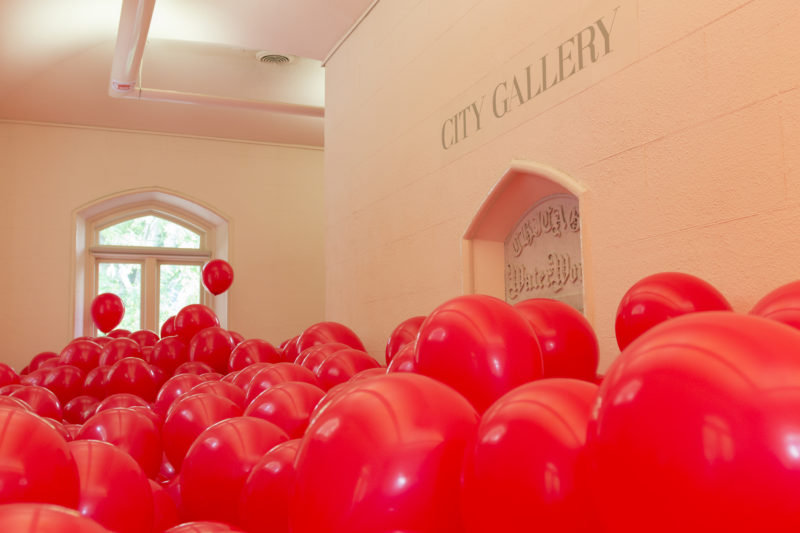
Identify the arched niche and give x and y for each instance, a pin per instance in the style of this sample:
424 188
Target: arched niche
527 189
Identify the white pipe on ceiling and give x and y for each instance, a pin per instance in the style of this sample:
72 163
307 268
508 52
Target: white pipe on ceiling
134 25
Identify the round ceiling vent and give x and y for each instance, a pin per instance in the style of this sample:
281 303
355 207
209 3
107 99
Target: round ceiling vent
274 59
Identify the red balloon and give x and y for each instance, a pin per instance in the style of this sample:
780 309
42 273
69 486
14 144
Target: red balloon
188 417
193 318
568 343
79 409
405 333
132 375
287 405
7 375
169 353
480 346
253 351
218 463
342 365
217 276
278 373
168 327
219 388
65 381
193 367
95 382
84 354
8 389
118 333
16 403
203 526
144 337
45 518
238 338
102 341
660 297
130 430
41 357
367 374
165 510
511 484
245 375
107 311
114 490
699 416
172 389
43 401
404 360
35 463
781 304
313 357
212 346
323 332
36 377
401 467
121 399
264 505
289 350
119 349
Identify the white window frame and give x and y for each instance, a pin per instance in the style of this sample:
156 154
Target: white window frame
91 219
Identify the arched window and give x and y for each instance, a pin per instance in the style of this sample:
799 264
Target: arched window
149 249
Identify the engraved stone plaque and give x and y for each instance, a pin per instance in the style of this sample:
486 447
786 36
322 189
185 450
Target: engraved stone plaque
543 253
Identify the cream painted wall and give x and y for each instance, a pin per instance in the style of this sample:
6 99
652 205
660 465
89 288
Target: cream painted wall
687 137
272 196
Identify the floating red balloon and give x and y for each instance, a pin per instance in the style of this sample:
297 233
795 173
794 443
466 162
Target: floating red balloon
264 505
699 416
107 311
384 455
662 296
479 345
217 276
568 343
526 468
35 463
217 465
405 333
113 489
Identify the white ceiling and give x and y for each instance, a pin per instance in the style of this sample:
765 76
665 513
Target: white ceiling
56 56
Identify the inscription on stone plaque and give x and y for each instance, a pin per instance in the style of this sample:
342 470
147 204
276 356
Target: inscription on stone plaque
543 253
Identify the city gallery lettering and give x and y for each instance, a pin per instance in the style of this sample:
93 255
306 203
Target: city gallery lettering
570 57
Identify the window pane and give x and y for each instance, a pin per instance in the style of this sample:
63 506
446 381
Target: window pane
124 280
149 231
179 286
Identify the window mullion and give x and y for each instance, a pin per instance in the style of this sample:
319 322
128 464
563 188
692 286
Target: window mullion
150 294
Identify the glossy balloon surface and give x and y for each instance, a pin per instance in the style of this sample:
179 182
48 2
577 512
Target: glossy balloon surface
192 319
172 389
264 504
245 375
45 518
278 373
132 375
662 296
217 465
288 405
35 463
41 357
113 489
118 333
107 311
130 430
119 349
168 327
94 384
225 390
189 416
384 455
323 332
165 512
527 467
79 409
342 365
405 333
203 526
313 357
253 351
699 416
66 382
479 345
781 305
404 360
144 337
193 367
84 354
567 340
217 276
289 350
43 402
212 346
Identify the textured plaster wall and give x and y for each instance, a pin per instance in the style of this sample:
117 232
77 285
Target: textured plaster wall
686 137
271 195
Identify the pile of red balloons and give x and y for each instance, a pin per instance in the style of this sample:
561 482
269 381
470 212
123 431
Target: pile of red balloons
489 417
